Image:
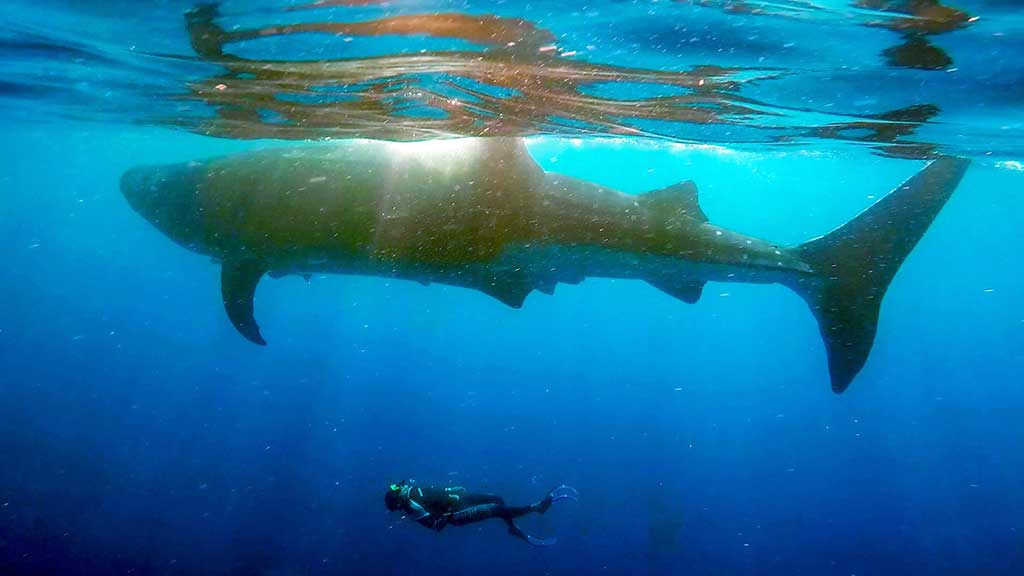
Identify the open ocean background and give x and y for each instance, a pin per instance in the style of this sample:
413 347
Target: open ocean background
139 434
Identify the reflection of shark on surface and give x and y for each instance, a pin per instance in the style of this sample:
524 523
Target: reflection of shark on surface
481 214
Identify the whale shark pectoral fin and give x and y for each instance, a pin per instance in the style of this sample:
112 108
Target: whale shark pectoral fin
676 200
509 289
238 280
688 291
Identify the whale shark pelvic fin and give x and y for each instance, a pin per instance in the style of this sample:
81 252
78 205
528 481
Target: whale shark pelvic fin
511 289
238 280
854 264
688 291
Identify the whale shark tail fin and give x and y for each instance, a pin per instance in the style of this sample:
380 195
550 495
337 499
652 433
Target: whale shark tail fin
854 264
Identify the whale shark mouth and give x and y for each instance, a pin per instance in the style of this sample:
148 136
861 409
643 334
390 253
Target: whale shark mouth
167 196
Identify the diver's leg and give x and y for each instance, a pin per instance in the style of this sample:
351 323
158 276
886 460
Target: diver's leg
478 507
475 513
510 512
562 492
516 531
467 500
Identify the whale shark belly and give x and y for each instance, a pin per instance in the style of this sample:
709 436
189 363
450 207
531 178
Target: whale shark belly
552 264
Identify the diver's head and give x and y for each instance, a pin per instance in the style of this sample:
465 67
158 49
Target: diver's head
396 495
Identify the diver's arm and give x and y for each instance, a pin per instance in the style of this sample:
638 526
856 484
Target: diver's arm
429 507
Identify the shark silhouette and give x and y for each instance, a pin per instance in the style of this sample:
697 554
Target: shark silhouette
480 213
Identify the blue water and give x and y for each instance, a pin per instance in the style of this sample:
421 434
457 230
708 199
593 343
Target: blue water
139 434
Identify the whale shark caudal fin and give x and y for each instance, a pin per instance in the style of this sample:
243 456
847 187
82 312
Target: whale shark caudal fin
238 280
854 264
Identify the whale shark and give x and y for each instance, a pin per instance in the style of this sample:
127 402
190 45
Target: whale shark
480 213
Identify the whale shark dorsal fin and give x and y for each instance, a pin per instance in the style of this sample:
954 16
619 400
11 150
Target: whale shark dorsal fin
509 156
676 200
238 280
688 291
503 147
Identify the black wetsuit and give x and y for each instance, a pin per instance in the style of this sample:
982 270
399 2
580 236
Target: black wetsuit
435 508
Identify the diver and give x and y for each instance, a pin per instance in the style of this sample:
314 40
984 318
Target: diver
436 508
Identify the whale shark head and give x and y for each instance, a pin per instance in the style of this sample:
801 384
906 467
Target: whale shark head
168 197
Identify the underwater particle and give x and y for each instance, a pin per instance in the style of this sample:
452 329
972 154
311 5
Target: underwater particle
221 87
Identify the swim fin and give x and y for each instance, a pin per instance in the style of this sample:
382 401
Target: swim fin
541 542
532 540
562 492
